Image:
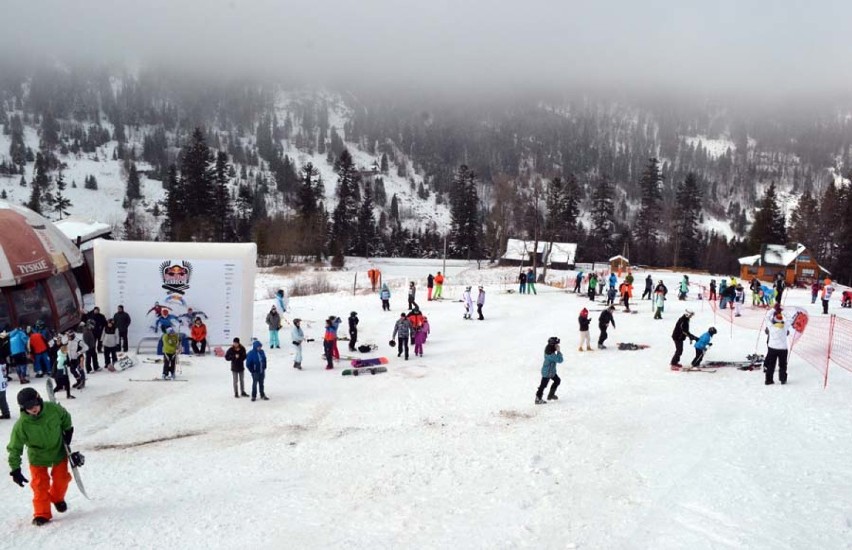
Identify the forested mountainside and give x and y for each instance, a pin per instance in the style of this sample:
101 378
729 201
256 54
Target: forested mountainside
674 180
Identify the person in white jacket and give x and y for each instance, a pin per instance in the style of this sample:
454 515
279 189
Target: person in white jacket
777 332
297 336
77 349
468 303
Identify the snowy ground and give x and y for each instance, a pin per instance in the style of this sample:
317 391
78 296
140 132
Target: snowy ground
448 451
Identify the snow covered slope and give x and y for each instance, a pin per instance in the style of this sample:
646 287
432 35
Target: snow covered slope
448 450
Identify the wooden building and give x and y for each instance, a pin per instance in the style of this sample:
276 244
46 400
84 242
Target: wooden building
794 261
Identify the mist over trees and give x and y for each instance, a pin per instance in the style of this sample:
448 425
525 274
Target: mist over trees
639 175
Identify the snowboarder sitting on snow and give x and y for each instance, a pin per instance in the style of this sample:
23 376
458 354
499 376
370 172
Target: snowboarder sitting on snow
256 365
584 321
846 299
552 356
681 333
702 344
44 428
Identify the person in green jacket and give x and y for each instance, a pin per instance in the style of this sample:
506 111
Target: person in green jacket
43 428
171 345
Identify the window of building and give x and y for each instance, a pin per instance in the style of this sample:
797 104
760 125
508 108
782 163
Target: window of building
63 299
30 303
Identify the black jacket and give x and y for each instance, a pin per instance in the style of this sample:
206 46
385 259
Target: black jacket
605 319
122 320
681 330
584 323
353 323
237 358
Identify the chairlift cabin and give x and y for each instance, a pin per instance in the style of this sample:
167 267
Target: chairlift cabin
36 260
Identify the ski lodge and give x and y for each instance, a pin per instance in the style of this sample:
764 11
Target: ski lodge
793 260
555 255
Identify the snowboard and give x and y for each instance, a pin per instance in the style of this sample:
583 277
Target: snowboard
359 363
75 472
690 368
629 346
157 379
124 362
364 370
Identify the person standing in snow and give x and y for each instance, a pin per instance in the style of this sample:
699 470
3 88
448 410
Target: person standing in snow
329 341
98 324
480 302
171 348
827 291
60 370
419 340
111 345
610 296
122 324
426 328
684 288
439 286
603 324
91 345
77 349
649 286
281 301
531 282
613 280
585 321
814 291
430 284
522 282
273 323
412 291
353 330
384 296
256 365
578 280
776 352
44 429
468 303
236 354
739 298
401 332
701 346
780 285
19 343
4 381
626 290
712 296
552 357
297 336
680 334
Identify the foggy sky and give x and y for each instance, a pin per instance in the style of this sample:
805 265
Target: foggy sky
730 46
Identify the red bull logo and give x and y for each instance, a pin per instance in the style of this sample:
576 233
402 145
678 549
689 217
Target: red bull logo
176 276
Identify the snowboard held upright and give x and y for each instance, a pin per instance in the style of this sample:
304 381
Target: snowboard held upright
77 461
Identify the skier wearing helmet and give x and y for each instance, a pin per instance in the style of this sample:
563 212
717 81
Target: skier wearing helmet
702 344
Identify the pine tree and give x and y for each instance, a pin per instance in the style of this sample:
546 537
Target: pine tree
805 222
197 180
603 214
61 203
366 234
222 215
684 238
465 227
647 223
345 215
384 164
769 225
133 186
175 208
394 209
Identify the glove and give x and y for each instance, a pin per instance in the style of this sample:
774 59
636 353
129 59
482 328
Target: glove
297 343
709 345
67 435
76 459
18 477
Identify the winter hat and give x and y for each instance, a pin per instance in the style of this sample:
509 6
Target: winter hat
170 330
712 331
236 340
28 398
354 314
689 313
297 320
584 312
402 314
779 317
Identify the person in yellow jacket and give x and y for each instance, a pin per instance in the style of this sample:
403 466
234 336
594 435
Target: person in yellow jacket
171 346
44 429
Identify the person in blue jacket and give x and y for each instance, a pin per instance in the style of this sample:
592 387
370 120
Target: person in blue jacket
19 343
702 344
256 365
552 356
612 280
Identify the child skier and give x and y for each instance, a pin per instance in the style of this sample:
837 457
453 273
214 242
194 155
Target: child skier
552 356
171 348
44 428
384 295
610 296
584 321
60 372
297 336
273 323
468 303
419 340
702 344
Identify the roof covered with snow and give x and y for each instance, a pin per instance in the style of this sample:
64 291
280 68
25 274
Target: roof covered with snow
778 254
619 257
750 260
562 253
85 228
519 249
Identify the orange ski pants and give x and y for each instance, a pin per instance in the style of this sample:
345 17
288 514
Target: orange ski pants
43 492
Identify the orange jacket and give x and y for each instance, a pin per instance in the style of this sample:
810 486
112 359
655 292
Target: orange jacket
198 332
439 279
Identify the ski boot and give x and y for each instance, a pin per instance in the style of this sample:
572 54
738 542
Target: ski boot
540 401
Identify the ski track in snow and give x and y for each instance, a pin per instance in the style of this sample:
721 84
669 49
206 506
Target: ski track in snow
448 450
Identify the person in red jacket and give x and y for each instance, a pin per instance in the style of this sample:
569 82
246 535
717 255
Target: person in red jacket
198 335
41 357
